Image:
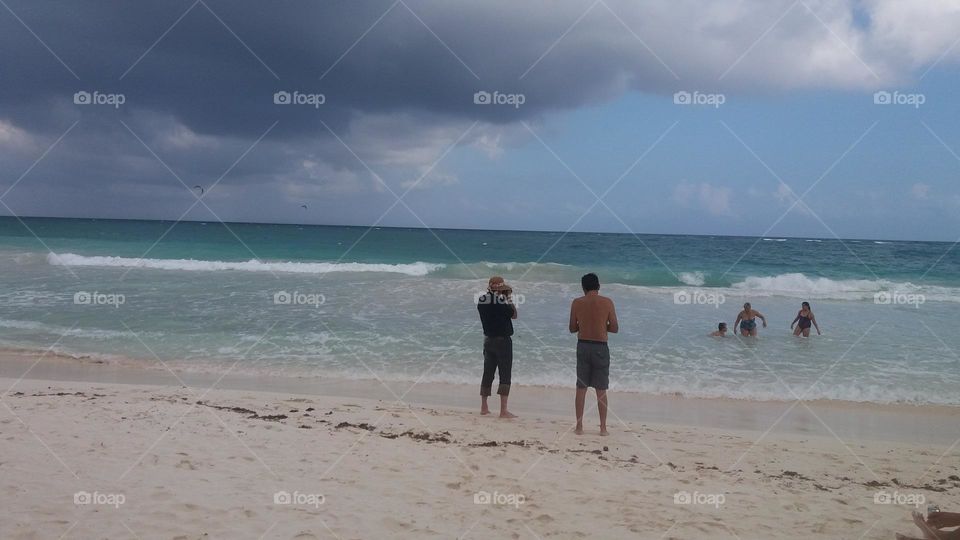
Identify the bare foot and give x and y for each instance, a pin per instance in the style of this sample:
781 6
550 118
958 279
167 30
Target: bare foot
604 432
507 414
484 412
578 430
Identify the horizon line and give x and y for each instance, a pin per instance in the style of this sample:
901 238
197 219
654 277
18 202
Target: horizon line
472 229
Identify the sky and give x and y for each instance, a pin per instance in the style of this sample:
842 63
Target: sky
733 117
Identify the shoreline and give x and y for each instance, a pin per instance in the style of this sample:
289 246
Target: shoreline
911 423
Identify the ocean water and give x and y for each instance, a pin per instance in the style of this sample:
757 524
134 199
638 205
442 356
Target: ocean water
398 304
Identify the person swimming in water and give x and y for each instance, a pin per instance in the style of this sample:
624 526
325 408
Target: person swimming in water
747 321
805 318
721 330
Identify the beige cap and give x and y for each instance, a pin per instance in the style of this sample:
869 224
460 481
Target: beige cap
496 284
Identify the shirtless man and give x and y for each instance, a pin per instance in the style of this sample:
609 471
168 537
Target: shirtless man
591 317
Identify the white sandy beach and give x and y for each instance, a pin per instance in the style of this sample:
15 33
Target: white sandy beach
169 461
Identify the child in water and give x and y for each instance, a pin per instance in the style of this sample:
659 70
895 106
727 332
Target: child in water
721 330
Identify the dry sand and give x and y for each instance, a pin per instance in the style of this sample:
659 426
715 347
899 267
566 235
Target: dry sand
108 460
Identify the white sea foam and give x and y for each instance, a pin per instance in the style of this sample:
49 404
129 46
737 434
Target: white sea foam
789 284
695 279
796 284
801 286
83 332
410 269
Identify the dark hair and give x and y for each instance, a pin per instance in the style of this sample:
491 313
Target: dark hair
721 326
590 282
805 304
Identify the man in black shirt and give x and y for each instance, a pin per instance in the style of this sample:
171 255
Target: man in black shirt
496 314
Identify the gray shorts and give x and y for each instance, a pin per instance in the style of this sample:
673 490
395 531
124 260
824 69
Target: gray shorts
593 365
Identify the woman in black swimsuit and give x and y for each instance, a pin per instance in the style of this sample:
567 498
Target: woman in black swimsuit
805 317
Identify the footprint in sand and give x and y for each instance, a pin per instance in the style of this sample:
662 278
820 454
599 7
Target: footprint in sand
186 464
161 495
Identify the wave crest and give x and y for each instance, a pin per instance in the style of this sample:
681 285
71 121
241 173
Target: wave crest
72 259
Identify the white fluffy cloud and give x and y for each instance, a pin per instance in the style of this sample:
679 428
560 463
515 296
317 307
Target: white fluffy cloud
787 44
713 199
13 137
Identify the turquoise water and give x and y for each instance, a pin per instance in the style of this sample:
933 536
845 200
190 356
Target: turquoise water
398 304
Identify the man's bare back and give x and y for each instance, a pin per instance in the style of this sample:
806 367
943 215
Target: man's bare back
592 316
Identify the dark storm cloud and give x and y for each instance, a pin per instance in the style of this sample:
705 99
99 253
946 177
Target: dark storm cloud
398 77
206 77
216 64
